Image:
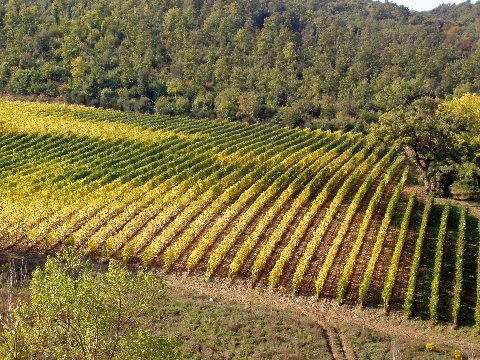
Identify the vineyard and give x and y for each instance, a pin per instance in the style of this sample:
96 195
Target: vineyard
316 213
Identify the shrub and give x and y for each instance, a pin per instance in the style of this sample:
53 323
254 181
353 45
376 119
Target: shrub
76 313
226 104
203 104
4 73
107 97
21 81
164 106
250 105
182 106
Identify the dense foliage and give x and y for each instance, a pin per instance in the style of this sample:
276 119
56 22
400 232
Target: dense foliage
316 63
465 112
77 313
443 141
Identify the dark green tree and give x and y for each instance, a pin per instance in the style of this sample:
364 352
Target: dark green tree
430 139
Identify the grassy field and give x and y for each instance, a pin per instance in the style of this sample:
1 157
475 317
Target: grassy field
314 213
209 325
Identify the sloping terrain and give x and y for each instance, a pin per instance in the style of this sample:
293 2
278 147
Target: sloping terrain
313 212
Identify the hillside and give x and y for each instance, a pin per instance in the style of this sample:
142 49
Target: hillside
318 63
316 213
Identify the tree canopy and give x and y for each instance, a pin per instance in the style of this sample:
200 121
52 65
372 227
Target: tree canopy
322 63
443 141
465 110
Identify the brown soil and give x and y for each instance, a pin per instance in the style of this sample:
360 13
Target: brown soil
403 275
158 261
329 314
156 212
181 263
308 283
383 263
367 247
222 270
202 265
330 287
291 265
245 271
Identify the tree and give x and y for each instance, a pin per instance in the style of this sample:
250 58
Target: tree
432 140
226 104
465 111
77 313
249 106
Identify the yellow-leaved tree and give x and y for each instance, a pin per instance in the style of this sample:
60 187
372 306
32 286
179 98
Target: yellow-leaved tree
465 110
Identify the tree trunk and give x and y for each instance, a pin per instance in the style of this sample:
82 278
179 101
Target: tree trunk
424 166
429 185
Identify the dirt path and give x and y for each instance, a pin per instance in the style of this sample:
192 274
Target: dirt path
325 312
331 316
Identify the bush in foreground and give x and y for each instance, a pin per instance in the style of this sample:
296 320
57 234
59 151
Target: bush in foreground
75 312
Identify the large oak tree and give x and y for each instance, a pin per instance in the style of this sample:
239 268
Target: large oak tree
438 142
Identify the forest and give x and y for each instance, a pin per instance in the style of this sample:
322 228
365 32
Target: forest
317 63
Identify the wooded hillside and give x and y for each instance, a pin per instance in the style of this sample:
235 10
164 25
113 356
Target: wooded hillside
314 63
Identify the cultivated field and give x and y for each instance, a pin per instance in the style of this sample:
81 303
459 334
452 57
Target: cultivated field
316 213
